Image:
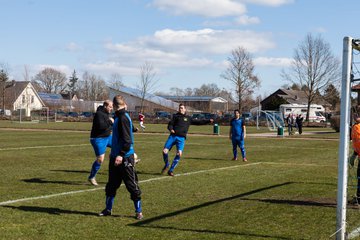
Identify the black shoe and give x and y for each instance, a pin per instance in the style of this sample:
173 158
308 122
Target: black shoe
105 213
171 174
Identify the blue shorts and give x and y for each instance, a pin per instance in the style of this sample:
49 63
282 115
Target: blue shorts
175 140
100 144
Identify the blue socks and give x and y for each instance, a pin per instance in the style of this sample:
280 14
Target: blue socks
94 169
137 205
166 159
109 202
174 163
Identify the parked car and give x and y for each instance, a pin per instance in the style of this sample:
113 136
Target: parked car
198 116
247 116
162 115
73 114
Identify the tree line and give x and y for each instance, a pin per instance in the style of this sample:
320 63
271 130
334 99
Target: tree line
314 68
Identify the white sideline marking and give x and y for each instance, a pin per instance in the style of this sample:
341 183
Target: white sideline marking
36 147
102 188
299 164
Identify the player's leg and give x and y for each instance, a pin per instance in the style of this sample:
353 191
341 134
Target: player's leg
114 182
99 145
180 144
234 148
242 149
131 183
167 147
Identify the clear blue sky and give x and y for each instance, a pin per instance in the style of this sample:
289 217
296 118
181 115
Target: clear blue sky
187 41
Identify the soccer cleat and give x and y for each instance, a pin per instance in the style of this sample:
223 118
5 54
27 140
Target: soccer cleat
93 181
139 216
171 174
137 160
164 170
105 213
234 159
244 159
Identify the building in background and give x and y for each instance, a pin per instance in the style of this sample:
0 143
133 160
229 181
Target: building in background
23 97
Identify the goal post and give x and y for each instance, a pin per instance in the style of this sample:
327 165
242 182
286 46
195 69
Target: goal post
345 107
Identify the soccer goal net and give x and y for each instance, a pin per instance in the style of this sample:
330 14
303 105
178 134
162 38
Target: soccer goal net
271 119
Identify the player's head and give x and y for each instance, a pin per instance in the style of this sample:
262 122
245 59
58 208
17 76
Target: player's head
119 102
237 113
108 106
182 108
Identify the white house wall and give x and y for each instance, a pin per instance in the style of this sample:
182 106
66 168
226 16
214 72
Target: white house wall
28 105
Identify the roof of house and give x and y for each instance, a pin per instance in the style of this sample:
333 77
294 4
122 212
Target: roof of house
295 96
149 97
196 98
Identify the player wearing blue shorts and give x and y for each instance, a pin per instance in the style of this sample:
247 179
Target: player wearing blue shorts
237 135
178 127
100 137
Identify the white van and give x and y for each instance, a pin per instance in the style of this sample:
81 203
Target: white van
316 111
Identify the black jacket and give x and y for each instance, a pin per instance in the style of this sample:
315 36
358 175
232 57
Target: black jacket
102 125
180 123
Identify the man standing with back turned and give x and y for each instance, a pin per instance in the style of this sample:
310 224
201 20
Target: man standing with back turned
122 163
100 137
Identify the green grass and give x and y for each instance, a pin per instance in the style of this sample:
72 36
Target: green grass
287 190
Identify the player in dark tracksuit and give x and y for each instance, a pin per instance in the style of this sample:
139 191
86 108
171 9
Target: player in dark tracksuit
178 127
122 165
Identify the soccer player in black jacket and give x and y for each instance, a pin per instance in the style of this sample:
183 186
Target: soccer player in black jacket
100 137
178 127
122 163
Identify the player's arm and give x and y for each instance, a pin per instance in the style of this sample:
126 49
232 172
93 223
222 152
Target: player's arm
125 135
230 131
171 124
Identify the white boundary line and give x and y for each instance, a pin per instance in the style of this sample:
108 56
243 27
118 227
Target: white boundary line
39 147
102 188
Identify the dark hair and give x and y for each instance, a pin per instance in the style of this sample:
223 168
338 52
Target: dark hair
106 103
236 110
118 101
181 104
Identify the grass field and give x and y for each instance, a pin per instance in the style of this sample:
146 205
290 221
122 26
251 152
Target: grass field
287 189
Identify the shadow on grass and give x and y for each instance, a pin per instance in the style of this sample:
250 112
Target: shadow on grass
58 211
42 181
73 171
206 158
49 210
144 223
312 203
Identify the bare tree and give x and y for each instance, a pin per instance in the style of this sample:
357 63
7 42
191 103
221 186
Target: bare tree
314 67
147 81
211 90
51 80
4 82
240 73
116 81
92 87
26 74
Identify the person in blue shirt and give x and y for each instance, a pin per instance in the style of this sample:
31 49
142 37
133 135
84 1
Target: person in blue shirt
122 162
237 135
178 127
100 137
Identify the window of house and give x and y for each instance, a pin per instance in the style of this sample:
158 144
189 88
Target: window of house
32 99
23 99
